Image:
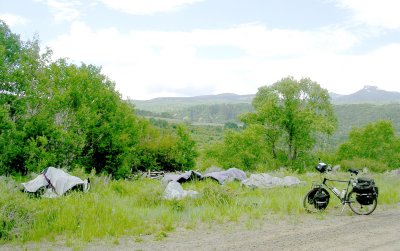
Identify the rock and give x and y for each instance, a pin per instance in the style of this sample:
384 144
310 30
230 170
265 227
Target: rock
174 191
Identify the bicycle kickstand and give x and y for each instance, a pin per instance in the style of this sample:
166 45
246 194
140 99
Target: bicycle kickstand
344 205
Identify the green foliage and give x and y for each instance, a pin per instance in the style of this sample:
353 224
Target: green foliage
360 115
294 112
360 163
171 149
64 115
242 149
231 125
376 142
135 208
289 116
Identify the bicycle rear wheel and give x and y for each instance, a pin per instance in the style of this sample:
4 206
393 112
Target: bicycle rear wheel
309 203
358 208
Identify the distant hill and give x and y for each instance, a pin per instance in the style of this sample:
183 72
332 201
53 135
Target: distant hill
173 104
354 110
367 95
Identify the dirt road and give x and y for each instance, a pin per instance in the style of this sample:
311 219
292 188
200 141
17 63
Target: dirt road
379 231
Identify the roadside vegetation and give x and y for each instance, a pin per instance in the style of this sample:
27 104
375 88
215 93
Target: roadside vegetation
55 113
119 208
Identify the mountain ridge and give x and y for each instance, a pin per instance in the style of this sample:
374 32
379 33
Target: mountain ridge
367 95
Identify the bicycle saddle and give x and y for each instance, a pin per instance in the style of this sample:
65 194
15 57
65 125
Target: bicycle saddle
354 171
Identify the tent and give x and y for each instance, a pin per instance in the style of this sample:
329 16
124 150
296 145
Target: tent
228 175
181 178
54 182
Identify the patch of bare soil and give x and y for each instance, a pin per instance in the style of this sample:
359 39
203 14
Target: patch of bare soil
330 231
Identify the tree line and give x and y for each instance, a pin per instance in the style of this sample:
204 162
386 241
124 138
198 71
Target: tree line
55 113
292 125
66 115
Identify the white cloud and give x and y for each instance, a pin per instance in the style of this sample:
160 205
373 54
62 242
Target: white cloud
147 7
382 14
13 20
63 10
148 64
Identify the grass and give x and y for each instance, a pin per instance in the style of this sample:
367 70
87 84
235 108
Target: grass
113 209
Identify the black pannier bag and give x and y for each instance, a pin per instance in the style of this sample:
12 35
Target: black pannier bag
366 191
321 199
365 198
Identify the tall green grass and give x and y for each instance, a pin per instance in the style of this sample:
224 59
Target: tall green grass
112 209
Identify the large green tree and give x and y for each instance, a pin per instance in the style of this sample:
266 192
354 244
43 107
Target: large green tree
64 115
293 113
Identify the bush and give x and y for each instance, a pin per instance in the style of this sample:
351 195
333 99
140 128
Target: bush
361 163
245 149
169 150
375 142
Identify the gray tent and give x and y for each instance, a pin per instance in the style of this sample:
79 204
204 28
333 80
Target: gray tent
55 182
228 175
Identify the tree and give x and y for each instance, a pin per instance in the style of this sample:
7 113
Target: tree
54 113
292 113
21 72
242 149
376 141
168 149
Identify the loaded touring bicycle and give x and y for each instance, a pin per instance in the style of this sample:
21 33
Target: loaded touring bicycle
360 194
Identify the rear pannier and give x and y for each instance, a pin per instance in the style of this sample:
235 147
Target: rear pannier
366 191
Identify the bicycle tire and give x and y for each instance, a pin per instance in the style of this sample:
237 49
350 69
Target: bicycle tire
308 201
358 208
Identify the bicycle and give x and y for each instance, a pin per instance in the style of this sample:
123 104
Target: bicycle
361 202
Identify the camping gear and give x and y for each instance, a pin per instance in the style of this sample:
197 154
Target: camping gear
366 191
174 191
228 175
54 182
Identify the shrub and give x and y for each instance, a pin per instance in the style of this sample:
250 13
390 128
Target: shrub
376 141
361 163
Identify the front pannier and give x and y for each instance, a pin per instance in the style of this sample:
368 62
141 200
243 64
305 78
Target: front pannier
321 199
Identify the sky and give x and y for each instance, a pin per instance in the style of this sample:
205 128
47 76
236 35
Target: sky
181 48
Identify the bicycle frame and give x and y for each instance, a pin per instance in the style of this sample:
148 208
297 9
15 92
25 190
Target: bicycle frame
345 199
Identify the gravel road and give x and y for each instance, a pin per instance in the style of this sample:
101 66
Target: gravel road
379 231
328 231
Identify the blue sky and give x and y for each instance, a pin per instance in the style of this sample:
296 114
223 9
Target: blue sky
158 48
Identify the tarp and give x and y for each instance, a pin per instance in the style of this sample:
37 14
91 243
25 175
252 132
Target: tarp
228 175
56 182
174 191
181 178
264 180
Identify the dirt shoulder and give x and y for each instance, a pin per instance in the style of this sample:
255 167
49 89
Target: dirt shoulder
379 231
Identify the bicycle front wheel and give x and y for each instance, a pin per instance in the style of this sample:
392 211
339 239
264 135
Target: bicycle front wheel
359 208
